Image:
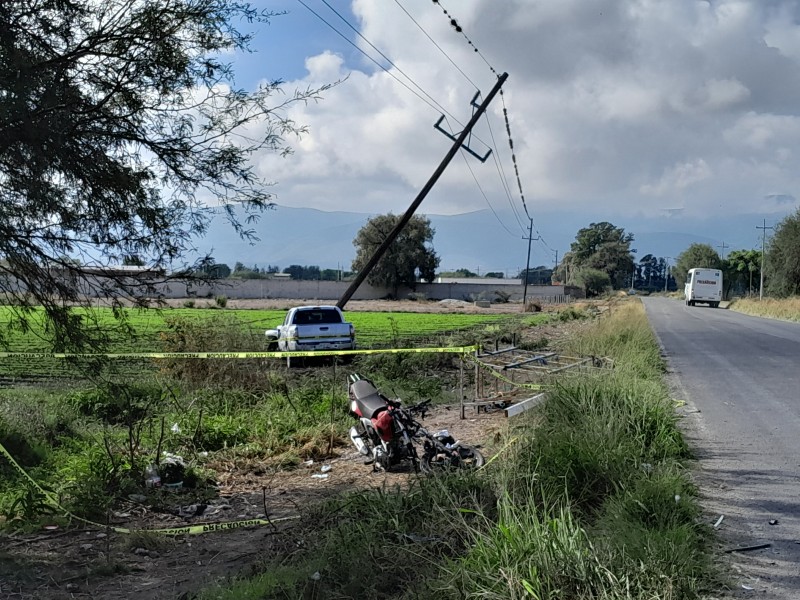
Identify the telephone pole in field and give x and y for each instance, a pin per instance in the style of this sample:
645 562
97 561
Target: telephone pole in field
763 229
530 238
459 142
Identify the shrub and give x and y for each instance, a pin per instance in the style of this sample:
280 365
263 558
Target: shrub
188 304
221 301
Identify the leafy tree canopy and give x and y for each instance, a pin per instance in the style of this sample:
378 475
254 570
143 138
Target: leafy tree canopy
604 247
695 256
411 253
119 126
782 260
742 268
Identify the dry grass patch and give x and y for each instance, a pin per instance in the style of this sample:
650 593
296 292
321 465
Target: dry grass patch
774 308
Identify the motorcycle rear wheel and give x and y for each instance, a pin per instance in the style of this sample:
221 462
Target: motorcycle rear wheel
468 457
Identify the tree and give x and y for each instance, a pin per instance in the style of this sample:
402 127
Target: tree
459 273
695 256
219 271
742 267
118 127
782 260
540 275
495 275
410 254
301 272
604 247
593 281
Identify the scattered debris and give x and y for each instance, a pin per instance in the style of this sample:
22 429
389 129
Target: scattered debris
719 522
316 576
320 476
749 548
325 468
773 521
747 587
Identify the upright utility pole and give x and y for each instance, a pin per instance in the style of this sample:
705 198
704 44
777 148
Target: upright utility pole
528 264
763 244
723 246
364 272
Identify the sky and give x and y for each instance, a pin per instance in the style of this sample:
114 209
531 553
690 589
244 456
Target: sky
658 116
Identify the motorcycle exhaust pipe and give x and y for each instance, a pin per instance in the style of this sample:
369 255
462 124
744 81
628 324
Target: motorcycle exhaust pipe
358 442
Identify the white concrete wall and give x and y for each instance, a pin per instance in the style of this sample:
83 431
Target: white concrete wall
333 290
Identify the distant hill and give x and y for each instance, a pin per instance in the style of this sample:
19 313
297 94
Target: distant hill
476 240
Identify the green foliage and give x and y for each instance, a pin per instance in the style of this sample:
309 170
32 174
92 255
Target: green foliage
783 258
217 333
221 301
116 403
604 247
90 88
593 281
28 505
409 253
694 257
742 271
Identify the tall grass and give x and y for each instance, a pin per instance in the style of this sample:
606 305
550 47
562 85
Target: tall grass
783 308
592 501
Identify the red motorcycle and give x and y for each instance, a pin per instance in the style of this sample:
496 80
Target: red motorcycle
388 433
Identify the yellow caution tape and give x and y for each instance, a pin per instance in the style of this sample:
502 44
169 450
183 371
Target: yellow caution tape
36 355
185 530
499 452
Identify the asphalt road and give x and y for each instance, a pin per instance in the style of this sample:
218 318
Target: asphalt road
740 376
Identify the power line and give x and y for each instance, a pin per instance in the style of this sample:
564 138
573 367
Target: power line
399 70
388 72
485 197
447 56
454 24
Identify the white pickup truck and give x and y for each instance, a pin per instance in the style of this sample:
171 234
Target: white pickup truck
311 328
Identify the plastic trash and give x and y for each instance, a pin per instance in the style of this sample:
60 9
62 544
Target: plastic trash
325 468
151 476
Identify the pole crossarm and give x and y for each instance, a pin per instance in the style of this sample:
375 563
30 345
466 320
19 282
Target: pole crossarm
365 271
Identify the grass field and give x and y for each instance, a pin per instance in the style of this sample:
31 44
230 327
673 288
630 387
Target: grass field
775 308
152 329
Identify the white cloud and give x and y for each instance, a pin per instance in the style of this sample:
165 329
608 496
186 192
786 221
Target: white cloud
615 105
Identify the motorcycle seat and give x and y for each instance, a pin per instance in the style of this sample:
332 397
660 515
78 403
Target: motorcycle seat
369 401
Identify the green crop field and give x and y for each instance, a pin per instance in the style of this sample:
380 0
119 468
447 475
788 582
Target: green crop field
373 329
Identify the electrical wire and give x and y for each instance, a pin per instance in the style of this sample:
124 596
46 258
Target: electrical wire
485 197
447 56
388 72
454 24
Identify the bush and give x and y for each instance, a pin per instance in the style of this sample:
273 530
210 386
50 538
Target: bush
221 301
188 304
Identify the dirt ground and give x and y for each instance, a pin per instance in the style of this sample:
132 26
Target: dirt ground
87 562
83 561
442 306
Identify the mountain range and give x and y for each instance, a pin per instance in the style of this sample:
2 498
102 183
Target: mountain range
480 241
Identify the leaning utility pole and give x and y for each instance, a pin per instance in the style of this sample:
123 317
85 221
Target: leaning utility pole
763 243
365 271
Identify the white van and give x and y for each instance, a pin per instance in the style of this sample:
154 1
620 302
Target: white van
704 286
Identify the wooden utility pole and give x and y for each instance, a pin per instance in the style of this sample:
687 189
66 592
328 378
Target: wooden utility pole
528 264
763 244
365 271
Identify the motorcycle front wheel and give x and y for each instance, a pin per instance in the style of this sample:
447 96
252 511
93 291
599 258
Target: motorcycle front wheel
463 457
